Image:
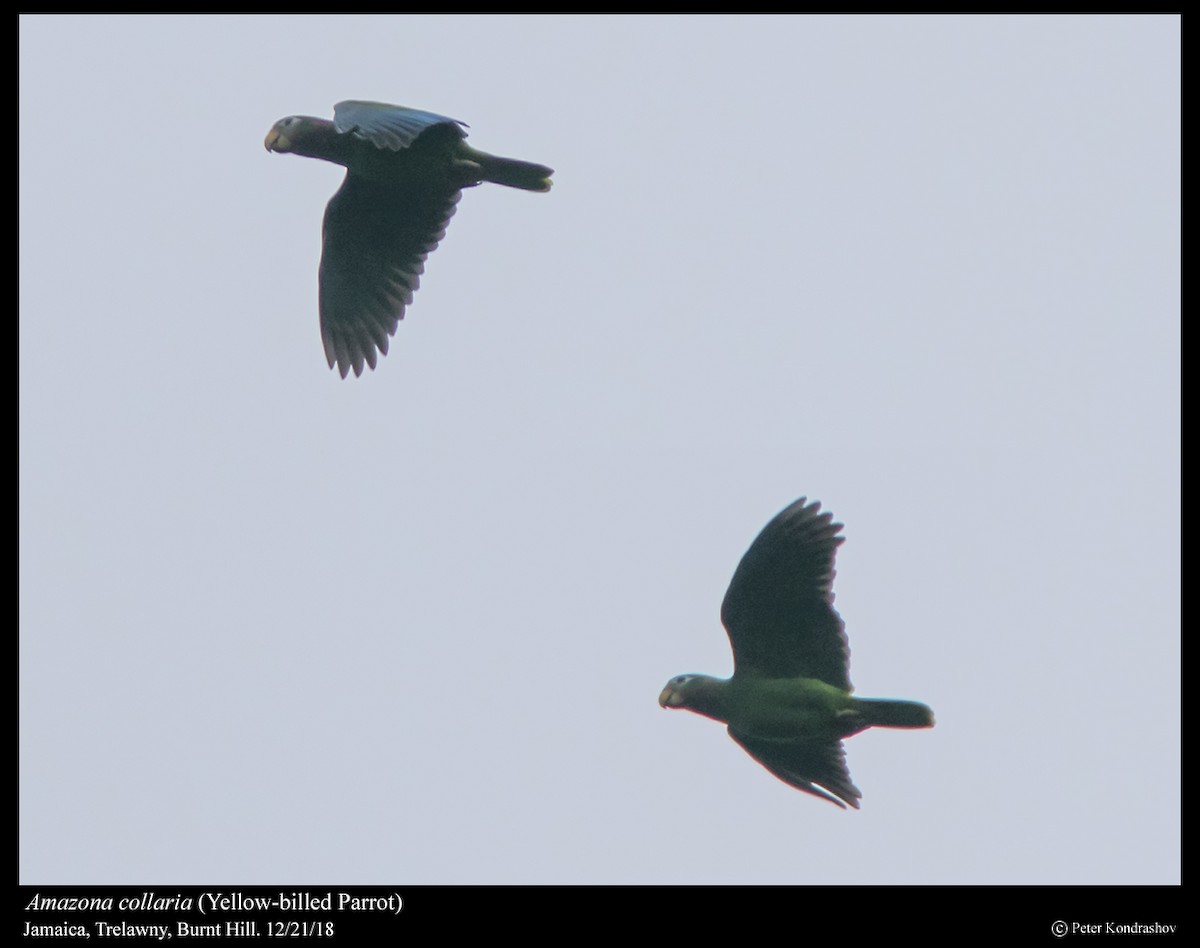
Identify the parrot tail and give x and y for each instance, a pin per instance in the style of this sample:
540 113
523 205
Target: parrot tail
892 712
509 171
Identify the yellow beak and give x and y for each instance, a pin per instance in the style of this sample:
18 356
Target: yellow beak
276 141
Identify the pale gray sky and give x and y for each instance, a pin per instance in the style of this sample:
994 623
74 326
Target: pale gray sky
411 628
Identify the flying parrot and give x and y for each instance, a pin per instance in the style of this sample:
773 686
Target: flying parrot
405 171
789 702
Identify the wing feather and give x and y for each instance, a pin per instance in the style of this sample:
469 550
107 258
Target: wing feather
778 609
393 127
812 766
375 241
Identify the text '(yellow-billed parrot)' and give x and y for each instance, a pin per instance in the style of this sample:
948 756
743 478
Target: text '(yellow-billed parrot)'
405 171
789 702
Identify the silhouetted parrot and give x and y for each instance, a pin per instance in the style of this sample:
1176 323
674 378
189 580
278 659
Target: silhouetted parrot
405 171
788 702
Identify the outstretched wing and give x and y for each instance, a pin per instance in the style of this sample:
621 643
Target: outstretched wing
778 609
374 245
392 127
813 767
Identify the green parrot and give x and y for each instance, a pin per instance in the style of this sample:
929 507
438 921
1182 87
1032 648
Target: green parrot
405 171
789 703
